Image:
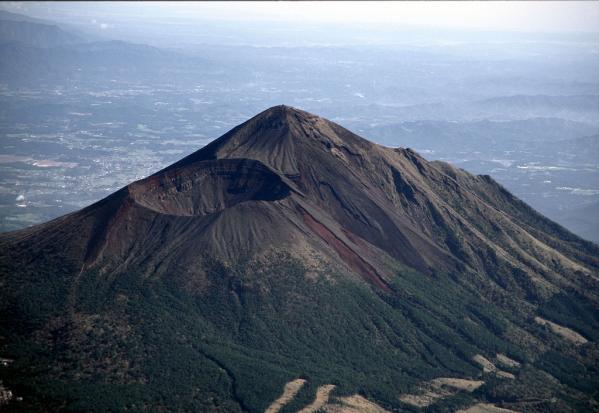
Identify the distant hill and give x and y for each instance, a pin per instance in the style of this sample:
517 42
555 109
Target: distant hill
16 17
441 135
88 62
546 102
35 51
35 34
580 108
292 264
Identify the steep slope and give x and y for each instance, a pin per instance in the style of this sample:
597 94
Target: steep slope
292 248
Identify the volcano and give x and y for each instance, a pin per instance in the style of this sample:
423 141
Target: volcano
291 265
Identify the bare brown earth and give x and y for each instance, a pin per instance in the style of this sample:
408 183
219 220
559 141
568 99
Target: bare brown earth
484 363
350 257
347 404
562 331
505 374
506 361
289 392
353 404
489 367
322 398
439 388
485 408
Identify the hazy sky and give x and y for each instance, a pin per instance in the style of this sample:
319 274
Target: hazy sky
546 16
509 15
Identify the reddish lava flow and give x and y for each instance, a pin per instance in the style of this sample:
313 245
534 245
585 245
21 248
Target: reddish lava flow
353 260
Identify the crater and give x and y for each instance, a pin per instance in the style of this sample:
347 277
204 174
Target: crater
207 187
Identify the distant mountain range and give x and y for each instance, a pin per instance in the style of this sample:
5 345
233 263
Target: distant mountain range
536 103
35 34
289 265
19 28
579 108
35 51
474 135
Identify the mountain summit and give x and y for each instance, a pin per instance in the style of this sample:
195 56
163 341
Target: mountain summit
291 248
